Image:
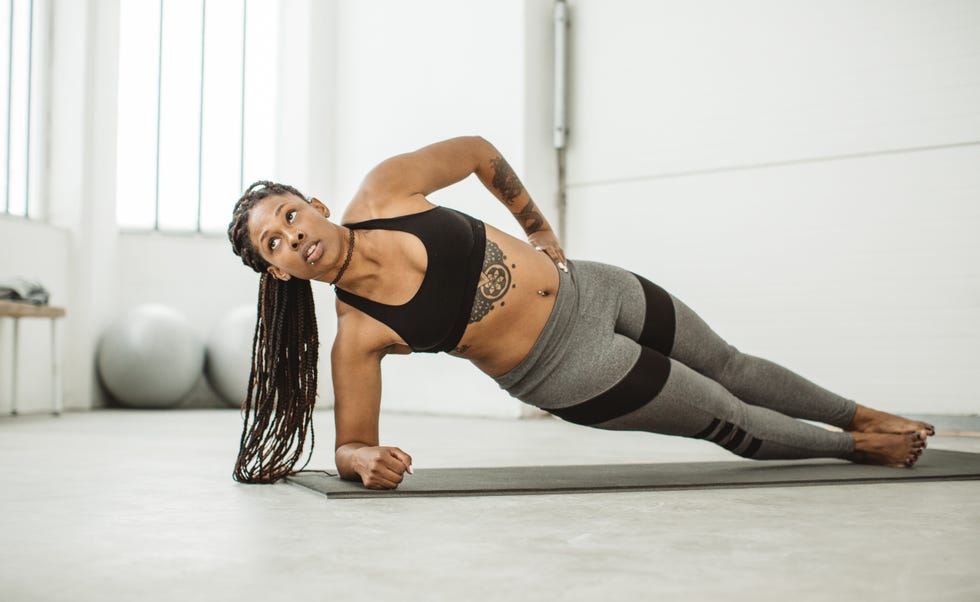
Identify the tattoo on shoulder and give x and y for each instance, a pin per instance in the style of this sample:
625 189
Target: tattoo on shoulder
530 218
505 181
495 282
460 350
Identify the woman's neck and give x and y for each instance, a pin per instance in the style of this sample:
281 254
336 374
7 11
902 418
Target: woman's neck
363 266
387 266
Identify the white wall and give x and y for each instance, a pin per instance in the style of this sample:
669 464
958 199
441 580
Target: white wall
410 74
306 146
803 174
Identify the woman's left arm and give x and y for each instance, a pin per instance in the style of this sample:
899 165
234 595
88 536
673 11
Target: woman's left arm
444 163
497 175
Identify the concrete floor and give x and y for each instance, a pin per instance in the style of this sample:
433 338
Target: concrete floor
131 505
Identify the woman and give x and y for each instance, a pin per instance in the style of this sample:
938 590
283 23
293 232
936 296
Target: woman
590 343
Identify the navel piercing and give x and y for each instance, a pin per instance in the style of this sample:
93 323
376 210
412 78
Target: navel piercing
543 293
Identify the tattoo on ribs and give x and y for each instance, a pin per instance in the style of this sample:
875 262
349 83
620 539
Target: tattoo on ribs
505 181
495 281
530 218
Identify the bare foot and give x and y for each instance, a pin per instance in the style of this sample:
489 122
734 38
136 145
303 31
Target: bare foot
886 449
867 420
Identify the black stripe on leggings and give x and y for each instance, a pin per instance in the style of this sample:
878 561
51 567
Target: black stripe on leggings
660 321
723 433
736 440
711 428
752 448
641 384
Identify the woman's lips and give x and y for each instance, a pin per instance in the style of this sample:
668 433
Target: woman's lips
316 252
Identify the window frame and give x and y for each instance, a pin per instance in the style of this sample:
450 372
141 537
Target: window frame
199 227
31 146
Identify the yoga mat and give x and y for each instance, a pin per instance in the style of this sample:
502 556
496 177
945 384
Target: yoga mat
934 465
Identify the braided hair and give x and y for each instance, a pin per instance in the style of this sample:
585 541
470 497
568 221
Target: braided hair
278 408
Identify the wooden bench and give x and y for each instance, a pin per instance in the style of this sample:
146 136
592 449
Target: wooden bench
15 310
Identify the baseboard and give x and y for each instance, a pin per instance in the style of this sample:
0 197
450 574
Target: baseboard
951 425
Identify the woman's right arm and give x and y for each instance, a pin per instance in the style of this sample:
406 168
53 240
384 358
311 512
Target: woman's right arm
356 368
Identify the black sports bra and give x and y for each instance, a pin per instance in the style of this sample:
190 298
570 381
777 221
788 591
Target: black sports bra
436 317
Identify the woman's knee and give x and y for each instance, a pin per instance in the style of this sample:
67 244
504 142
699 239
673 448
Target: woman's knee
730 362
689 404
699 347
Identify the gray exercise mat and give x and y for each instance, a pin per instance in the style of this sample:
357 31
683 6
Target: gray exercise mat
935 465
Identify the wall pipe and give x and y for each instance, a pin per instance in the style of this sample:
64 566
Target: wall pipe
560 130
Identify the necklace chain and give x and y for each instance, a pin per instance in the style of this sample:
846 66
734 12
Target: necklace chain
350 253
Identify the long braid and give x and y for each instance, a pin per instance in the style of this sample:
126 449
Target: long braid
278 407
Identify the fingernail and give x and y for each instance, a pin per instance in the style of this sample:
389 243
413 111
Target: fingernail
410 471
562 266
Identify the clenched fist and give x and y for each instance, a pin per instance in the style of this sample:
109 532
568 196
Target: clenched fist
381 467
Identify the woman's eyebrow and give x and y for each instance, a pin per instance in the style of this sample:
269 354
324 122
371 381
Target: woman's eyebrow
266 232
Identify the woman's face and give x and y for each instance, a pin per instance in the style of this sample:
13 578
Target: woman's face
292 235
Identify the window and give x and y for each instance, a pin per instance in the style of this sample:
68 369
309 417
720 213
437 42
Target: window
19 108
197 108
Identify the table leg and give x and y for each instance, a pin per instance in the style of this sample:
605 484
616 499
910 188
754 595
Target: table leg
57 392
2 364
14 369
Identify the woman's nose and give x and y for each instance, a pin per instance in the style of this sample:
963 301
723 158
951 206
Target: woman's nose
295 239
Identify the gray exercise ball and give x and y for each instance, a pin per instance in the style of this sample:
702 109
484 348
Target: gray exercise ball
151 357
230 354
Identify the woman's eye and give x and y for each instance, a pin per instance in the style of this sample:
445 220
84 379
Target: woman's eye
290 215
273 244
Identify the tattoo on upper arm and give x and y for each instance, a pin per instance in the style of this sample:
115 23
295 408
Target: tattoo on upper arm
505 181
495 281
530 218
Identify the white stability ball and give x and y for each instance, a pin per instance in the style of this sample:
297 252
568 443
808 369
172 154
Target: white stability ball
151 357
230 354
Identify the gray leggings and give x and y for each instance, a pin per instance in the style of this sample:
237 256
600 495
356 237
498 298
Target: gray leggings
618 352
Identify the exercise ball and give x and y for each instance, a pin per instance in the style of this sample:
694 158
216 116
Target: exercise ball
229 350
150 358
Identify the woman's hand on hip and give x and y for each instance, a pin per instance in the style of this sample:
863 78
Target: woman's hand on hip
545 241
382 467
